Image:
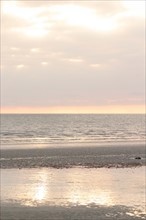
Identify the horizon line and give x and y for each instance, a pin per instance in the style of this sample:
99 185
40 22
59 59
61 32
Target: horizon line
105 109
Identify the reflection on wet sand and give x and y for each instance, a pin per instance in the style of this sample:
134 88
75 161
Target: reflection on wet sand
63 189
41 190
82 198
75 187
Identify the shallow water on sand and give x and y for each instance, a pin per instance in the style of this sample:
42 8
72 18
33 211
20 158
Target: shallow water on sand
76 187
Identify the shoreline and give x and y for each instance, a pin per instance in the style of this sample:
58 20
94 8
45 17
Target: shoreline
32 146
118 156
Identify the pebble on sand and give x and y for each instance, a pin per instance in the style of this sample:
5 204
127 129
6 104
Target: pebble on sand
138 158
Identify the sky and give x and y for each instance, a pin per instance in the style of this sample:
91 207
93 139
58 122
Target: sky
73 56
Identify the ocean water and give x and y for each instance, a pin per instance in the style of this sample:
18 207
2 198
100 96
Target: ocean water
52 129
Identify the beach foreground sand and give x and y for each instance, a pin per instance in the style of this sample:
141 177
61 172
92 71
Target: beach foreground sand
73 213
115 155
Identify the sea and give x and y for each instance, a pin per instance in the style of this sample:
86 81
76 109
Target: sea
65 129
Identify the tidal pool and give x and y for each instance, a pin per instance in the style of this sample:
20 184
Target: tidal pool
76 187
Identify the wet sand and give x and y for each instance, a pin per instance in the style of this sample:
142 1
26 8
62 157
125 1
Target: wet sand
119 156
33 189
72 213
73 194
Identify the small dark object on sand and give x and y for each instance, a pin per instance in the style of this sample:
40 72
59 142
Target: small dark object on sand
138 158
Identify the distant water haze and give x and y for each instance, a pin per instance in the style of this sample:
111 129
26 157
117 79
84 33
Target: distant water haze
75 129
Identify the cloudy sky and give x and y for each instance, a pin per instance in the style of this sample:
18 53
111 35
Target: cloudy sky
72 56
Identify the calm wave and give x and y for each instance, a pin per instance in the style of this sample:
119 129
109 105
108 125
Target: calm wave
66 128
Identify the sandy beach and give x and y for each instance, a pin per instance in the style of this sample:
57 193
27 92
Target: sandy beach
115 155
72 213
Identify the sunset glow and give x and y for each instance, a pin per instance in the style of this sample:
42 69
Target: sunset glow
77 109
73 57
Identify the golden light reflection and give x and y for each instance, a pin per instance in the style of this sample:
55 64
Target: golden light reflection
77 186
41 190
82 197
38 192
102 198
48 190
